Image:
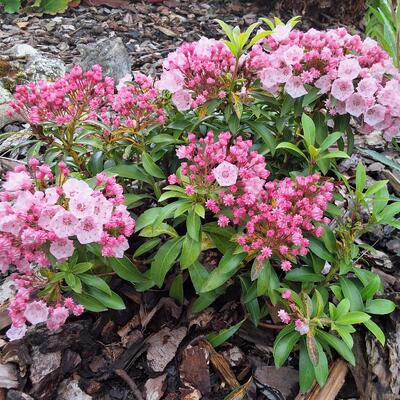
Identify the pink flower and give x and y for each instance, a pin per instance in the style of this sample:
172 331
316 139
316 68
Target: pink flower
293 55
57 318
342 89
64 224
15 333
182 100
367 87
62 248
323 84
17 181
36 312
81 206
295 88
223 221
287 294
226 174
374 115
284 316
75 186
102 209
349 69
301 327
254 186
281 32
286 266
89 230
355 105
189 190
171 80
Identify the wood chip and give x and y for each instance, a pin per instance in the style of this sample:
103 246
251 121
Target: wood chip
166 31
163 346
155 387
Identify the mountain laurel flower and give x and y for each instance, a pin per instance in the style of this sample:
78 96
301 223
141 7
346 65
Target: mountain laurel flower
284 316
286 294
226 174
301 326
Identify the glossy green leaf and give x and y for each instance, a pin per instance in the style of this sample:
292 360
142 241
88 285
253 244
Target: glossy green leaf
340 346
284 346
151 167
380 306
146 247
112 300
216 339
95 281
191 250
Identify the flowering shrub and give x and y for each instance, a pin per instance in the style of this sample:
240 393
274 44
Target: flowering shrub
43 224
233 149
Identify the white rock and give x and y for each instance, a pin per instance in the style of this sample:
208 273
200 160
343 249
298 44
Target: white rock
23 50
43 364
69 389
43 68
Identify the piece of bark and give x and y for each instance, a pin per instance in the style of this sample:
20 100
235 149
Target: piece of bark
337 376
155 387
221 366
17 395
163 347
284 379
194 371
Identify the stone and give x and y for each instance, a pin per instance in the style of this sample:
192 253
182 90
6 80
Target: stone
8 376
42 68
69 389
374 140
111 54
7 290
23 50
17 395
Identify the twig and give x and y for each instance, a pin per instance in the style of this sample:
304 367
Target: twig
271 326
336 379
129 381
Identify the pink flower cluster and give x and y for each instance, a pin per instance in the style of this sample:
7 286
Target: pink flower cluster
197 72
77 96
38 217
357 76
137 104
231 174
288 209
23 309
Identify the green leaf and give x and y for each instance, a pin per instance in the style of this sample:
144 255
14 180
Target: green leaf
191 250
330 140
165 258
204 300
129 171
306 369
95 281
73 282
11 6
81 267
375 187
151 167
265 133
360 177
376 331
125 269
319 249
216 339
89 302
227 267
321 369
353 317
329 239
351 291
171 195
53 6
371 288
381 158
148 217
340 346
292 147
146 247
284 346
132 199
198 275
112 300
303 274
380 306
157 230
193 225
308 129
176 289
334 154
